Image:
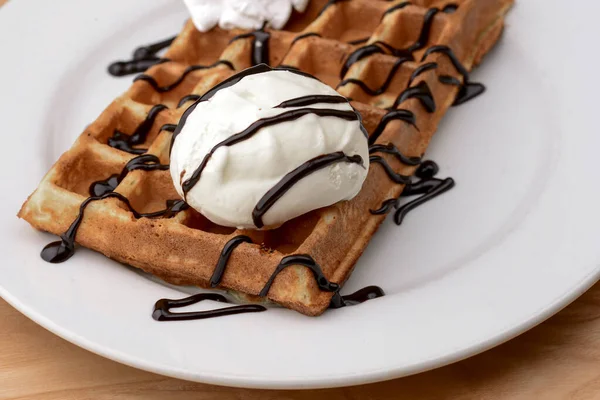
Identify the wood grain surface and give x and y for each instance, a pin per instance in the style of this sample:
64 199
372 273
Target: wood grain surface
560 359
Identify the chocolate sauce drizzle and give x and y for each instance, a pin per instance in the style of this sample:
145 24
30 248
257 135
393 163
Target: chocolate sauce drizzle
247 133
378 47
144 57
63 249
395 8
293 177
188 70
360 296
308 262
125 142
189 97
358 41
400 114
260 46
394 176
467 89
162 308
428 186
231 245
306 35
391 149
146 162
421 69
383 87
312 99
329 4
421 92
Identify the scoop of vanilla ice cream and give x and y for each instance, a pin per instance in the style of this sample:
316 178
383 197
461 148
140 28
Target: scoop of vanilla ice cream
245 14
236 177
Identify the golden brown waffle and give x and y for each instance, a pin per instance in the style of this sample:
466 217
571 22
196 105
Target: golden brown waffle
184 249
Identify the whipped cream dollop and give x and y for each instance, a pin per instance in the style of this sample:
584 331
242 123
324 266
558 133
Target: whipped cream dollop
244 14
314 147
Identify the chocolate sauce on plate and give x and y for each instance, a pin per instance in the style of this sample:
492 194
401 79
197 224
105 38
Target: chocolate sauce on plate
162 308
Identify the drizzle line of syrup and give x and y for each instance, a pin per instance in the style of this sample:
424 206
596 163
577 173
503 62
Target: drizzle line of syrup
428 186
125 142
467 89
186 72
247 133
63 249
260 46
144 57
162 308
294 176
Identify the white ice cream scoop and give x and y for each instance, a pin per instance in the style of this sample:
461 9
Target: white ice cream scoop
267 146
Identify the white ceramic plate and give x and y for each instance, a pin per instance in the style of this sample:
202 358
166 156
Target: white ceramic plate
516 240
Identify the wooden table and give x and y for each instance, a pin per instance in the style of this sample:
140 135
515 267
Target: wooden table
557 360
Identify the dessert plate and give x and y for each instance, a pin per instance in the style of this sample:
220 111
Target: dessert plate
513 243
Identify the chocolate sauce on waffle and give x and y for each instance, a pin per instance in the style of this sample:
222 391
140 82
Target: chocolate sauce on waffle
421 69
358 41
395 8
421 92
428 186
304 36
383 87
329 4
143 58
63 249
467 89
391 149
394 176
178 81
146 162
125 142
162 308
379 46
231 245
260 46
189 97
306 261
358 55
293 177
400 114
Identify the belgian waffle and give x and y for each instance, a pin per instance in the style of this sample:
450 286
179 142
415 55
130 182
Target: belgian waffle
383 55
